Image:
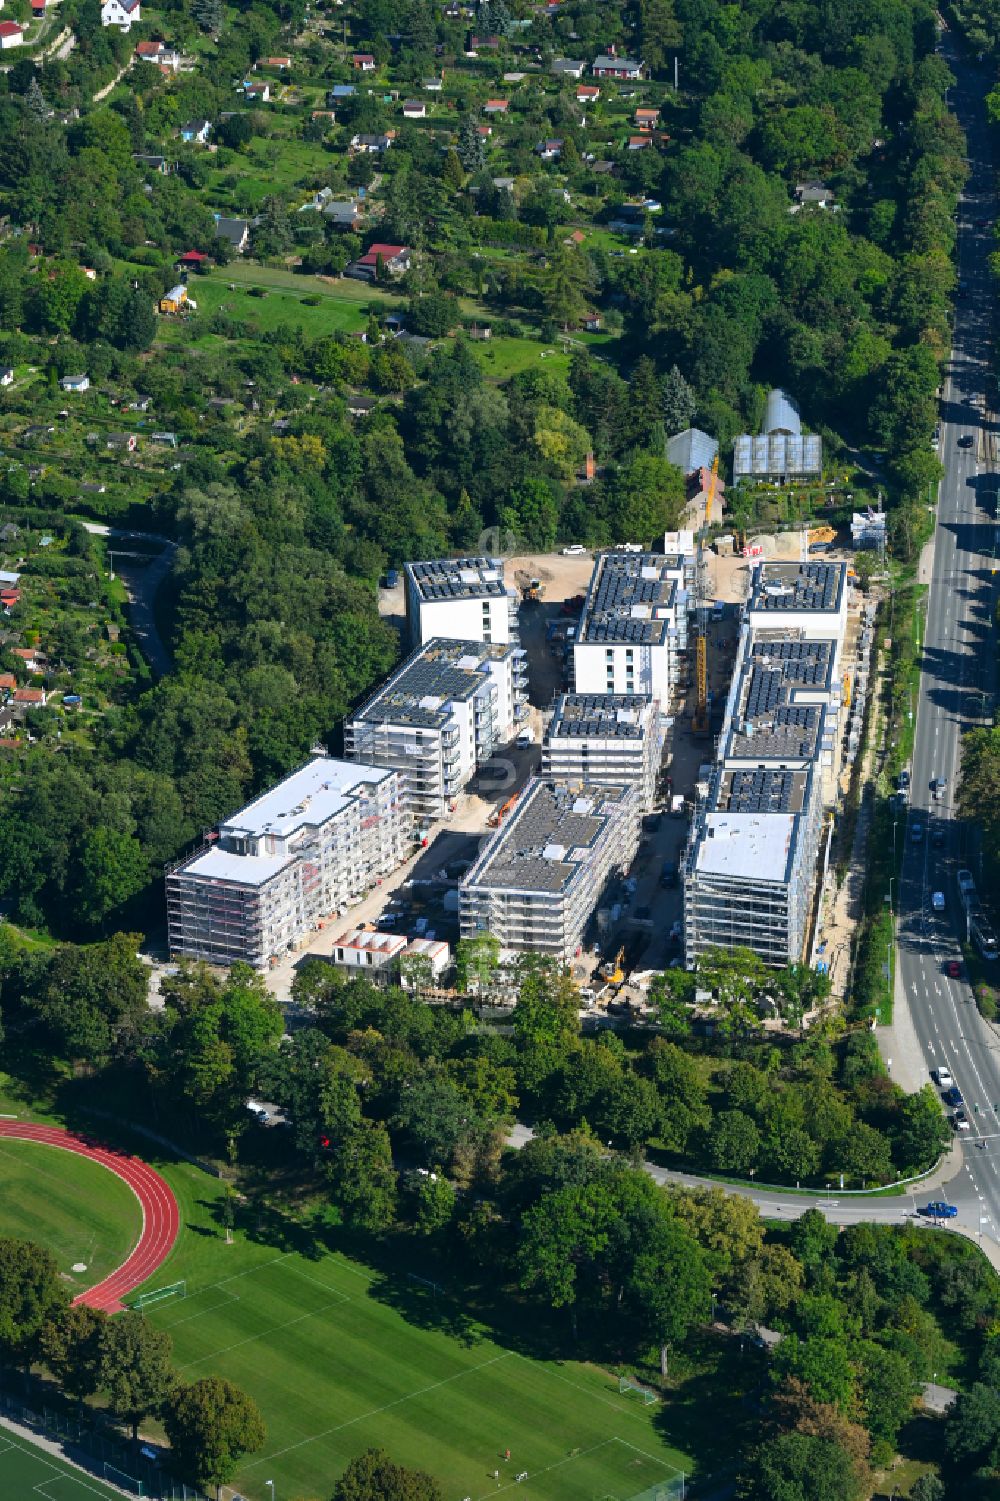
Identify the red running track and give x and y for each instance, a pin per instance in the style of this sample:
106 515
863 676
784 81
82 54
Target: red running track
160 1217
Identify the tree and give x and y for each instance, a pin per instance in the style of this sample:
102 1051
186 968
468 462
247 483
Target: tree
209 14
365 1179
211 1424
684 1106
734 1142
647 498
798 1467
135 1368
71 1345
972 1432
928 1487
452 174
476 963
821 1363
471 148
373 1476
31 1294
679 401
727 1227
886 1390
435 1204
563 285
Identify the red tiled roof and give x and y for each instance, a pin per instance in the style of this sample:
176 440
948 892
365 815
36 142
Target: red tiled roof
387 252
10 28
29 696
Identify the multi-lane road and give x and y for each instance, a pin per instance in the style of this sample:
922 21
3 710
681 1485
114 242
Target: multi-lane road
956 690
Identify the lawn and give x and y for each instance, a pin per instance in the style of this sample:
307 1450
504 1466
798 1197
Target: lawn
28 1471
343 304
78 1209
341 1357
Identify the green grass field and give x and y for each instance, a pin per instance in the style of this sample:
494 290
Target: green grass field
29 1471
341 1358
76 1208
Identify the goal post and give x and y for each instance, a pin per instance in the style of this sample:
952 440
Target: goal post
123 1481
159 1295
626 1385
433 1287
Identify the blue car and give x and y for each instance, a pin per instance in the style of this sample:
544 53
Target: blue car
939 1210
953 1097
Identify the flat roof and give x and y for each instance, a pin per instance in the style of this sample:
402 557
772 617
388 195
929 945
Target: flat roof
244 870
752 790
433 677
814 587
630 599
800 664
751 846
307 798
601 716
457 578
544 844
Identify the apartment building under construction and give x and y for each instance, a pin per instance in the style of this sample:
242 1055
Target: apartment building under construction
298 854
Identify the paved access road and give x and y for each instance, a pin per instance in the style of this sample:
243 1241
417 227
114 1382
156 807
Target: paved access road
956 671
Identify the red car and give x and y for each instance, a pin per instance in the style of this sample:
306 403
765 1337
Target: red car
954 969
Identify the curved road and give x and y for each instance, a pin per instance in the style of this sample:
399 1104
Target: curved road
160 1216
956 687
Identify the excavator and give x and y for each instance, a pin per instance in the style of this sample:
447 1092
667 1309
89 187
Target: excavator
613 970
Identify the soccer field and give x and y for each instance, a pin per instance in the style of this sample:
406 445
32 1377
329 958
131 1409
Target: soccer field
337 1369
26 1470
78 1209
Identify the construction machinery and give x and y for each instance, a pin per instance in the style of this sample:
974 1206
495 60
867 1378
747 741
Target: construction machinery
822 534
700 721
613 970
847 690
531 589
498 815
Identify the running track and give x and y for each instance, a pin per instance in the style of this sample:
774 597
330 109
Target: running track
160 1218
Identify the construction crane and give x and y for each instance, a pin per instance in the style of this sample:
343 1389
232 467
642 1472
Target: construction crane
847 690
700 720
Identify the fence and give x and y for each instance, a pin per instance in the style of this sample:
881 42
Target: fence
102 1454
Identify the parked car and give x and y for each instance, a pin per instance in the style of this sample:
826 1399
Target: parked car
954 970
965 441
954 1097
937 901
575 550
937 1209
392 578
904 780
942 1077
917 833
937 839
526 737
960 1121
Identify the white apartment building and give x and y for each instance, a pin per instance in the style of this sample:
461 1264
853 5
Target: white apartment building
439 717
613 739
459 599
375 955
809 598
750 869
633 627
541 876
301 852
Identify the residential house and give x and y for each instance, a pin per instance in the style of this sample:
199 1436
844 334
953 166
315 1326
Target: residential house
75 383
432 85
361 406
639 143
414 109
159 54
6 375
364 62
377 954
372 145
121 13
483 44
345 214
592 323
236 231
140 404
281 64
196 130
154 163
8 682
569 67
10 595
33 661
485 131
588 93
9 532
429 954
814 195
165 440
394 260
329 115
340 91
257 93
645 119
496 106
28 698
40 430
11 35
176 300
617 67
549 151
123 442
191 260
37 10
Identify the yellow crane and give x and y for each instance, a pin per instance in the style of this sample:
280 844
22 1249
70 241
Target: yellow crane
700 721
